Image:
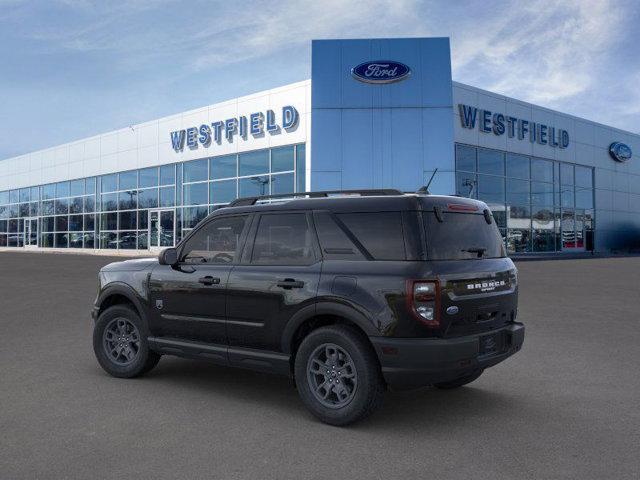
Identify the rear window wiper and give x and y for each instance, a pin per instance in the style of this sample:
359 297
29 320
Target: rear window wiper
479 250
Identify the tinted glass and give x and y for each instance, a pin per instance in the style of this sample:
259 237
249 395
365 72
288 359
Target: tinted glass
196 194
128 220
167 195
517 191
193 215
148 198
167 175
517 166
458 233
223 192
282 183
490 161
62 189
541 170
334 242
584 197
491 189
128 200
566 174
465 158
148 177
76 187
216 242
253 186
379 233
254 163
48 192
196 170
109 183
282 159
466 185
223 167
90 185
25 195
283 239
584 177
541 193
128 180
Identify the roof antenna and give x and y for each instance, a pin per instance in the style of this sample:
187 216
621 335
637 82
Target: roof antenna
425 190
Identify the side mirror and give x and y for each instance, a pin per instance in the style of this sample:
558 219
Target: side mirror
168 256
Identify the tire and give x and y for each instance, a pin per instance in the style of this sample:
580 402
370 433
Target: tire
132 357
459 382
358 389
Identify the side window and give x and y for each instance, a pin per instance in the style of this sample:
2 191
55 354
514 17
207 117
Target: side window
334 242
380 233
283 239
216 242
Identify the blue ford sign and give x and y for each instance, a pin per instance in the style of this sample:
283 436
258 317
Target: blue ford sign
620 152
380 71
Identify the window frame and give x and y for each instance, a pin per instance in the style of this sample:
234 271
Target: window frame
204 224
247 254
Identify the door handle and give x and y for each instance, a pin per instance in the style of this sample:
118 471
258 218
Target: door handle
289 283
209 280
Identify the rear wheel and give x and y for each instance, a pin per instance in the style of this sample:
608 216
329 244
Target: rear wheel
459 382
338 375
120 343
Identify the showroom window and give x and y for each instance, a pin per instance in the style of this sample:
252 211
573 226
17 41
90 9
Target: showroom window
539 205
153 206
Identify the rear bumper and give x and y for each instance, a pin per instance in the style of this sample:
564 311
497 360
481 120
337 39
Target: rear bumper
415 362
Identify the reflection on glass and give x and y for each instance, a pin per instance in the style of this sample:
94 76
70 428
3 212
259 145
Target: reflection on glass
465 158
253 163
490 161
282 159
517 166
491 189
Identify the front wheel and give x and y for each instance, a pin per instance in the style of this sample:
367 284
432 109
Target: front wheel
120 343
338 375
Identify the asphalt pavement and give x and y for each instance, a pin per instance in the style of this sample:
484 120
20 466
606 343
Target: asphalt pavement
566 406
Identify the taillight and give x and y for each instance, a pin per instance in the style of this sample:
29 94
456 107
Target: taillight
423 297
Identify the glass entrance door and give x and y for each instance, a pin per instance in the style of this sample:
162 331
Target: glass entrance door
572 227
30 232
162 228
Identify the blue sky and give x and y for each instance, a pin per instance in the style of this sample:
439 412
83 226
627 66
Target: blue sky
74 68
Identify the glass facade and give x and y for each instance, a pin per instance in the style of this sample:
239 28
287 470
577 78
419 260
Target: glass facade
151 207
540 205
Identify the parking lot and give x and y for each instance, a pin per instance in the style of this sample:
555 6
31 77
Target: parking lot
567 406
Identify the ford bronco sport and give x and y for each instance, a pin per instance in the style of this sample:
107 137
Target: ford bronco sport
349 293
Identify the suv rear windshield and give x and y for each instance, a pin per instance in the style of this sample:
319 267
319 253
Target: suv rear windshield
462 236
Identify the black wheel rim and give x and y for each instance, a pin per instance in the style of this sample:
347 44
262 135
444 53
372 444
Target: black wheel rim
332 375
121 341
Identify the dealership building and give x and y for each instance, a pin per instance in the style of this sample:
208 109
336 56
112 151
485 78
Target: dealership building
378 113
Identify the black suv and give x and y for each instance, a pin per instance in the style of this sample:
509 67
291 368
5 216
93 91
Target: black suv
346 292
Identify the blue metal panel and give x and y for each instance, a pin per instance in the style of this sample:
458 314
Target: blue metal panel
381 134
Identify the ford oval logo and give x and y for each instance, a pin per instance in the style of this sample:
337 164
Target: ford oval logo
452 310
620 151
380 71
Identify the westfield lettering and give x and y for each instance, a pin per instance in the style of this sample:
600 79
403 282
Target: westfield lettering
255 124
499 124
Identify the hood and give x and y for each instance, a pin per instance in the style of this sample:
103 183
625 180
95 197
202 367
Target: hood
134 265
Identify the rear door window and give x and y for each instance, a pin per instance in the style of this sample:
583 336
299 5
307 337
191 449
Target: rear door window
462 236
284 239
380 233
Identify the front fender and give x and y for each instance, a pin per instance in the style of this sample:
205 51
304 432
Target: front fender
125 290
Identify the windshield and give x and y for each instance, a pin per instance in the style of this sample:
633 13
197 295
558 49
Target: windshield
462 236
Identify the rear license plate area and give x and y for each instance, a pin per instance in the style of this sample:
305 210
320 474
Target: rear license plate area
493 344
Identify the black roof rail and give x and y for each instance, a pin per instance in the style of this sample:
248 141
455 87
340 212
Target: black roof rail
241 202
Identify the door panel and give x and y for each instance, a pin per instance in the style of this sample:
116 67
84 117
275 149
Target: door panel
184 307
188 301
279 276
260 302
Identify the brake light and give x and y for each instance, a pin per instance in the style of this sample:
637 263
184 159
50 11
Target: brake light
461 207
423 297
